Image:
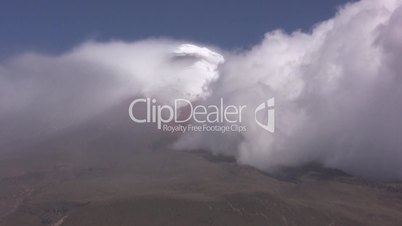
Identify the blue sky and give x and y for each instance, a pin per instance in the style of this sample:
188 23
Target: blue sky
53 26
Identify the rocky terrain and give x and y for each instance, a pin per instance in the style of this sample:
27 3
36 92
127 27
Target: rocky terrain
101 183
98 175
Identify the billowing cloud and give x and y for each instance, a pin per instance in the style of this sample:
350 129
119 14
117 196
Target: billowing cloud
338 93
338 90
41 94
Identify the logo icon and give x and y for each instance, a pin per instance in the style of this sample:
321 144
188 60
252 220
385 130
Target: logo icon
270 114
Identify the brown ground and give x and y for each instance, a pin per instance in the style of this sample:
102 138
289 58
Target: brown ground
93 181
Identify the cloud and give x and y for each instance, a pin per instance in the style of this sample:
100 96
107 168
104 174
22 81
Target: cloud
338 90
338 93
41 95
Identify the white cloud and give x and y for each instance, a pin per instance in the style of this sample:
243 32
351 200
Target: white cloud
338 90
